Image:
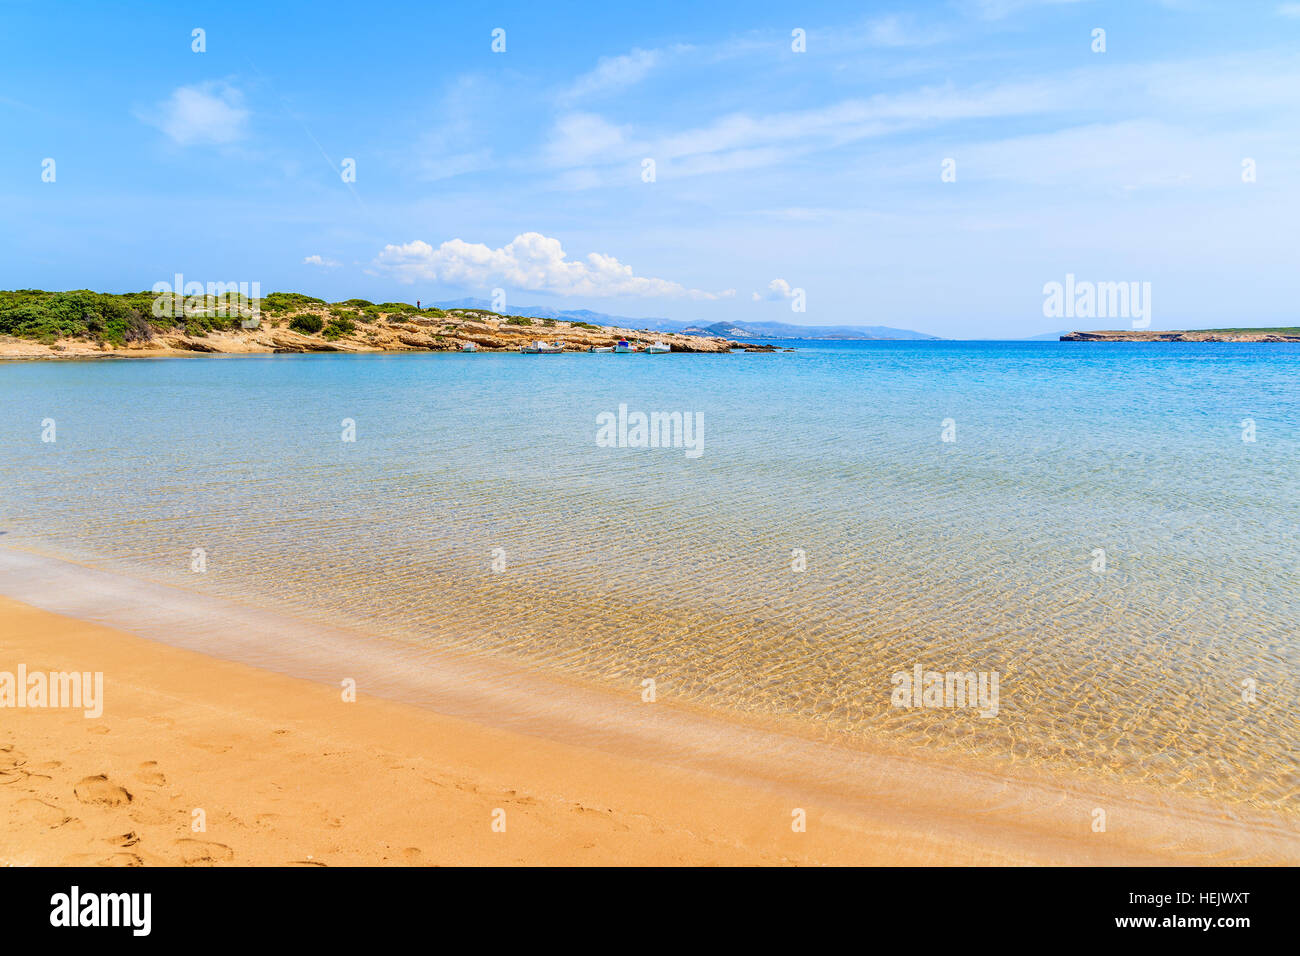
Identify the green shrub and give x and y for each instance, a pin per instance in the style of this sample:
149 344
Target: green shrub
306 323
287 301
338 328
518 320
138 328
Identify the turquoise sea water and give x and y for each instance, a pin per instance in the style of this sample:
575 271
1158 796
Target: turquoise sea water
621 564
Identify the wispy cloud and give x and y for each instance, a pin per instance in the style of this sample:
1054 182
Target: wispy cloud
209 113
613 74
745 141
999 9
531 262
322 261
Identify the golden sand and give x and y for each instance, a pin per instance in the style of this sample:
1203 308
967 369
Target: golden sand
284 772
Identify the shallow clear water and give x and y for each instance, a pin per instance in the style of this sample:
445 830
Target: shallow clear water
623 564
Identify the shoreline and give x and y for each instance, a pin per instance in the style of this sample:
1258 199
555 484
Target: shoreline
667 785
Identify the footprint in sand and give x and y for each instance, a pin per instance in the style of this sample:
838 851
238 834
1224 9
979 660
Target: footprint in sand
122 859
42 813
100 790
209 746
199 852
412 855
124 839
149 816
150 775
10 758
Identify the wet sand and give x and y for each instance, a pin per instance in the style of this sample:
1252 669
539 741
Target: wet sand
286 772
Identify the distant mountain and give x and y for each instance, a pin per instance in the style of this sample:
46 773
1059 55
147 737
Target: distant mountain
784 330
564 315
732 330
1047 337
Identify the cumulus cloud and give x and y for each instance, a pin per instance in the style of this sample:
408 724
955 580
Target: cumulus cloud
209 113
776 289
530 261
321 261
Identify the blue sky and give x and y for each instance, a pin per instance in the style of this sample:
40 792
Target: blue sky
774 170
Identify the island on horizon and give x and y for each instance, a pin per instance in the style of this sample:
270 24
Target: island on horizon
1275 334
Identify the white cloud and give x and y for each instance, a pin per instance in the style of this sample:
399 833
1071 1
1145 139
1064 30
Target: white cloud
207 113
742 141
893 31
590 151
998 9
1289 10
531 262
582 138
776 289
321 261
614 73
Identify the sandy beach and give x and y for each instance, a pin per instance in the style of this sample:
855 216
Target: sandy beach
282 771
288 774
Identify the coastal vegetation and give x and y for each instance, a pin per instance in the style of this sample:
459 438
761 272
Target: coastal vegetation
120 319
306 323
35 323
337 328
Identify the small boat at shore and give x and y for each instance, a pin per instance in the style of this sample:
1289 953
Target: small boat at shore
658 348
469 347
541 348
624 348
607 348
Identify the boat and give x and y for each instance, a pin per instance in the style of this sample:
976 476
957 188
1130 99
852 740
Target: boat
541 348
623 347
658 348
607 348
469 347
